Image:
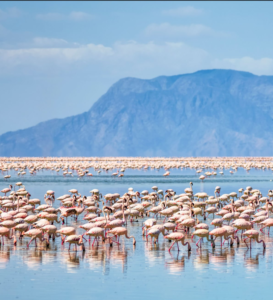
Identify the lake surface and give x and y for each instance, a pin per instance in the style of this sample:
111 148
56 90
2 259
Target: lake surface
144 270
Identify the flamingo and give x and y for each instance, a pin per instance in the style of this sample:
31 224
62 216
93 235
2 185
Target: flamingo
117 223
267 223
5 232
66 212
231 233
96 232
76 240
169 226
21 228
177 237
50 230
153 233
201 233
217 222
118 231
166 212
218 232
34 234
66 231
7 190
253 234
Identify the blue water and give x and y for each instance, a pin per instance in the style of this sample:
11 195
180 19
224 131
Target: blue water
142 271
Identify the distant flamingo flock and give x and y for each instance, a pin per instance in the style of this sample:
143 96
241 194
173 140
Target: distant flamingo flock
78 166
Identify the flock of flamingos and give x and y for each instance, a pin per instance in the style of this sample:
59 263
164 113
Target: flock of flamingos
184 219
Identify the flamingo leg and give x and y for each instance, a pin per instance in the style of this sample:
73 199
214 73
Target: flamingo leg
143 230
116 242
213 242
171 246
30 242
226 240
198 242
246 242
94 241
261 241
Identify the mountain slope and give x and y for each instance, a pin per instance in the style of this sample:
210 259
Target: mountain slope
207 113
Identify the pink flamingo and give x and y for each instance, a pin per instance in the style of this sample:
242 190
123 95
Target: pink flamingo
201 233
117 223
177 237
34 234
218 232
96 232
66 231
76 240
153 233
267 223
118 231
6 190
253 234
5 232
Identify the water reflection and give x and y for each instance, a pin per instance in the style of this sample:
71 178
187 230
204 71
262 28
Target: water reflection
251 260
201 259
154 252
97 260
4 257
71 260
33 258
176 264
118 257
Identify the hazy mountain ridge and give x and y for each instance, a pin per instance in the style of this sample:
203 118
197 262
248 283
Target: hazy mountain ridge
207 113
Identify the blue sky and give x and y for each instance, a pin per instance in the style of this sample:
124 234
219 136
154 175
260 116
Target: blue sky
58 58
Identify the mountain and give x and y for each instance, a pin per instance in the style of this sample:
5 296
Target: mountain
206 113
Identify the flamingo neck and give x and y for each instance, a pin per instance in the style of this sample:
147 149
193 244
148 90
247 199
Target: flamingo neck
104 215
123 213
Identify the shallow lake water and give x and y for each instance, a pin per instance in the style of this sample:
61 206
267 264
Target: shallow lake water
144 270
